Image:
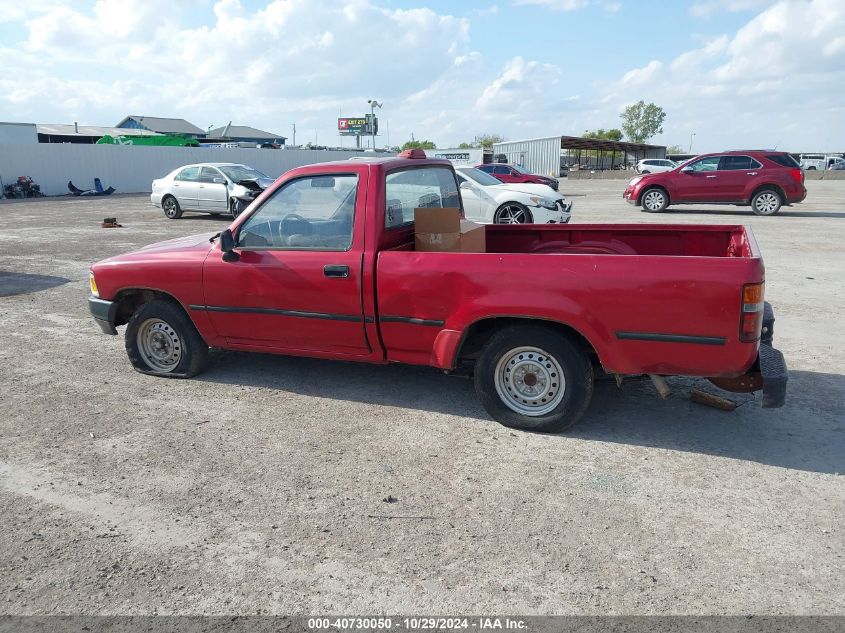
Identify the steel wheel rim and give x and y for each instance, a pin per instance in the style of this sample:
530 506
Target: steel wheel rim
159 345
170 207
653 200
511 214
529 381
767 203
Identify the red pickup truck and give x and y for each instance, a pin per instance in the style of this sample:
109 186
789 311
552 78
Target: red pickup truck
323 264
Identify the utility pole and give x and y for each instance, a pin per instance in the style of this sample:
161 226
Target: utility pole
690 141
294 134
373 105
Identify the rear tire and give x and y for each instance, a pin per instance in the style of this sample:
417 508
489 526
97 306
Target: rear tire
645 171
654 200
532 378
766 202
161 340
171 208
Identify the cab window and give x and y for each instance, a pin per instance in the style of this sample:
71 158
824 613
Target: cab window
208 174
311 213
418 187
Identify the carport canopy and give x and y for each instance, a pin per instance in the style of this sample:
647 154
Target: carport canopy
578 142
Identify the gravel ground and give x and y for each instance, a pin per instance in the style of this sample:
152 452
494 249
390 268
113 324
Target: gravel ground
259 486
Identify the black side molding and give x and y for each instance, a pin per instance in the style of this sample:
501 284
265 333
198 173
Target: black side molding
412 320
671 338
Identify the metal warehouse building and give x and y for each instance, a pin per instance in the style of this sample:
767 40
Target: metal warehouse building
555 155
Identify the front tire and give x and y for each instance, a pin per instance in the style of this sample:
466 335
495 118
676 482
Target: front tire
766 202
654 200
512 213
171 208
161 340
532 378
236 207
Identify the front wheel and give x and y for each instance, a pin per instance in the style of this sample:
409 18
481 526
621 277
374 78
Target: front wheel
533 378
236 207
766 202
512 213
161 340
655 200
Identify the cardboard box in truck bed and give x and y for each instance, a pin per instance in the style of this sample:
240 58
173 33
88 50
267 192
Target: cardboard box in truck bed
443 230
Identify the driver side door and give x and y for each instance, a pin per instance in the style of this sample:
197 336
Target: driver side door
296 286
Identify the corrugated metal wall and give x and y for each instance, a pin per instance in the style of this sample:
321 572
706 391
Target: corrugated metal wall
539 155
131 169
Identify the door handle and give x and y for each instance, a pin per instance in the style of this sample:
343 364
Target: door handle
336 270
752 173
711 176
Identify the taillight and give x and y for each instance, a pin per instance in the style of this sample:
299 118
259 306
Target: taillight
797 175
751 319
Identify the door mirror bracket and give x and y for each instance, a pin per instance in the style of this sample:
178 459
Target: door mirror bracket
227 245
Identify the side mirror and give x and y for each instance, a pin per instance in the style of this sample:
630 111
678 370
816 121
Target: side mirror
466 185
686 170
227 245
220 181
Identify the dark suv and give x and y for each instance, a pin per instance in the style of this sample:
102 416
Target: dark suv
765 180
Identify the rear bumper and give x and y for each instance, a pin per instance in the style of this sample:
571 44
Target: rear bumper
104 313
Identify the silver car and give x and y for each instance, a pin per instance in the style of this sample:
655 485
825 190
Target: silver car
215 188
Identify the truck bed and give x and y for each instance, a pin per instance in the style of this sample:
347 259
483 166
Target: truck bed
681 289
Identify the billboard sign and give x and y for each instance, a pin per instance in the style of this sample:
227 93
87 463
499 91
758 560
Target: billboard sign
353 126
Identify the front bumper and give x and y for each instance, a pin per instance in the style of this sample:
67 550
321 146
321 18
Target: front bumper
104 313
629 196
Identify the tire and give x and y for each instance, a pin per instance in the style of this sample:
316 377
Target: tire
513 213
550 360
236 207
171 208
766 202
644 172
162 341
654 200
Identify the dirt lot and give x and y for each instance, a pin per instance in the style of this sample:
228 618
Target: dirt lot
258 487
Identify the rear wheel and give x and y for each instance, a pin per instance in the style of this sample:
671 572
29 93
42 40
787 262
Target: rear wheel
655 200
512 213
533 378
171 208
766 202
645 171
161 340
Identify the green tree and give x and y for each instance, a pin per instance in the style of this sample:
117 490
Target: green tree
483 140
675 149
419 145
641 121
612 134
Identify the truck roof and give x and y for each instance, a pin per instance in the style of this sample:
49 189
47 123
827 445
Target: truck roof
389 160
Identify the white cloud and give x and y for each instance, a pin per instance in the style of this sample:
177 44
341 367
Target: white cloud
711 7
571 5
775 79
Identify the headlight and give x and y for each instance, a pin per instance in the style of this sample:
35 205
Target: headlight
634 181
93 284
543 202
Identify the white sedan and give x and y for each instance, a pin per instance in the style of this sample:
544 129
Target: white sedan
215 188
490 201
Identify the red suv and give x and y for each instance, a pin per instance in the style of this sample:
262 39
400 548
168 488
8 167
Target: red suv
765 180
510 173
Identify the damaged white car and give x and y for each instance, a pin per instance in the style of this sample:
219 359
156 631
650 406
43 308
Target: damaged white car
490 201
216 188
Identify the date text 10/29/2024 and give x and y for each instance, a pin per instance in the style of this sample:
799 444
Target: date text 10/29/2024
416 624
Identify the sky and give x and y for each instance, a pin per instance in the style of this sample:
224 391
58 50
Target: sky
728 73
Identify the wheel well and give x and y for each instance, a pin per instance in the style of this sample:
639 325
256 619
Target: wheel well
769 187
650 187
128 301
477 335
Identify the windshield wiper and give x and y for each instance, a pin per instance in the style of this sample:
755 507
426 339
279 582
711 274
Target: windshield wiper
214 237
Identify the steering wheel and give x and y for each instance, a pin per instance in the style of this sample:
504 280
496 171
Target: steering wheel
294 224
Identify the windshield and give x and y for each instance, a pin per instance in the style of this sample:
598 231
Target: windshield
522 169
485 180
241 172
